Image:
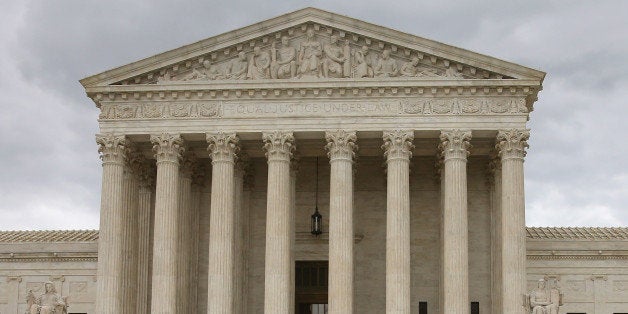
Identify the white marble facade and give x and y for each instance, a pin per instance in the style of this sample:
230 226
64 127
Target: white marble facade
209 159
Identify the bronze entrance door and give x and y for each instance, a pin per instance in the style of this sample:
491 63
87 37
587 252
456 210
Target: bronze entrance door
311 287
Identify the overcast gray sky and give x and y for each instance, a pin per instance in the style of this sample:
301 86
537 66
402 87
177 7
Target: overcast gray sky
576 169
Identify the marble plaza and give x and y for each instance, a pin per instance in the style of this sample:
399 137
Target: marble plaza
217 154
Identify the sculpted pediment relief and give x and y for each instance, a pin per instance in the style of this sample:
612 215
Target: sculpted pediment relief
317 52
311 45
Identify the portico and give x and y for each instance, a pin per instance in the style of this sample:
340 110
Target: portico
224 164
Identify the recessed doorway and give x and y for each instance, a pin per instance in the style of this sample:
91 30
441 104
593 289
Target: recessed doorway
311 287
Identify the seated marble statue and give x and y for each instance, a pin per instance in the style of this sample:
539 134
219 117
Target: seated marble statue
544 300
386 66
283 64
335 59
48 303
363 67
237 68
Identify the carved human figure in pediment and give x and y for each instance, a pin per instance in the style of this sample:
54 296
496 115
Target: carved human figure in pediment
453 72
363 66
259 65
283 60
544 300
336 62
48 303
206 72
310 52
386 66
410 68
237 68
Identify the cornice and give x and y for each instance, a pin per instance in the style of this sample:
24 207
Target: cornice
48 257
263 31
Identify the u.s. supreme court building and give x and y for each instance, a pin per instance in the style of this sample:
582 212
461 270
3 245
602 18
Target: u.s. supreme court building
314 163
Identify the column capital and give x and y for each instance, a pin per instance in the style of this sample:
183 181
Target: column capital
167 147
111 148
454 144
341 144
223 146
147 174
279 145
512 144
134 159
198 175
188 165
398 145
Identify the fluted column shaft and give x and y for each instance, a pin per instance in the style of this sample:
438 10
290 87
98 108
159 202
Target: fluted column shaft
168 149
198 180
144 252
294 170
129 232
109 273
511 145
239 266
185 232
222 234
277 290
496 235
398 150
454 146
341 151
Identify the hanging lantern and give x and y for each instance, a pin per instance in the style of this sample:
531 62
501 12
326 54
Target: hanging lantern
317 218
317 223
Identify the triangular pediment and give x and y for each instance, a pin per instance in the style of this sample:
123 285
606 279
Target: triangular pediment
312 44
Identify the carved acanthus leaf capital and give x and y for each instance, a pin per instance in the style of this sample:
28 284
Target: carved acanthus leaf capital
147 174
398 144
167 147
223 146
279 145
111 148
134 158
189 164
512 144
341 144
454 144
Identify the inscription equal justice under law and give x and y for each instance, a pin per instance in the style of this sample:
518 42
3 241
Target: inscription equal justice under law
244 110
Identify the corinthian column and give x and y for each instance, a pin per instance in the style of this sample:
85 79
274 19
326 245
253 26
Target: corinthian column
109 284
277 285
188 165
511 145
398 150
240 249
454 146
341 151
129 234
147 183
168 149
222 148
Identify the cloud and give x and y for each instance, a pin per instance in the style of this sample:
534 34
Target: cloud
576 174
